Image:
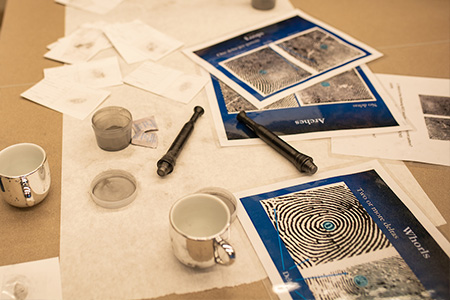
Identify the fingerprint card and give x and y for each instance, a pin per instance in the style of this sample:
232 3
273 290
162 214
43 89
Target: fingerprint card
345 234
66 97
95 74
270 61
166 82
80 46
137 41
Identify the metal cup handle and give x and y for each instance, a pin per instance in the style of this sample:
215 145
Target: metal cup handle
219 242
27 191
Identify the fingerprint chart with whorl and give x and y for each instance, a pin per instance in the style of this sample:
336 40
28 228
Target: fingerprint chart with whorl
323 225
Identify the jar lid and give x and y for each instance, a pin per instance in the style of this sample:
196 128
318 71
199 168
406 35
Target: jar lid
113 189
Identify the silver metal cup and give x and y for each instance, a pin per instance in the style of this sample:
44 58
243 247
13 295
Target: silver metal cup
24 174
199 223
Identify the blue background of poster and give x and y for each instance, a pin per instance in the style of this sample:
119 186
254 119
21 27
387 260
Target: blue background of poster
263 36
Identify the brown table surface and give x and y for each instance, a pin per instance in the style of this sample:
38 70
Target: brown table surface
413 35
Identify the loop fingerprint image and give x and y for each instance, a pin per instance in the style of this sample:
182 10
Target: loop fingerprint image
266 71
323 225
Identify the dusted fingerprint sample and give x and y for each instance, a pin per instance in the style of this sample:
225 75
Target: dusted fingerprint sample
323 225
435 105
319 50
266 71
438 128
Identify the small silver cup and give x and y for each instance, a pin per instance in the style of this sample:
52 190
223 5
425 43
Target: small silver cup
199 223
24 174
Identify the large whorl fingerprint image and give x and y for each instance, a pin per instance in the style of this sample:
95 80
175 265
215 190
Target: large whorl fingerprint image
319 50
323 225
387 278
266 71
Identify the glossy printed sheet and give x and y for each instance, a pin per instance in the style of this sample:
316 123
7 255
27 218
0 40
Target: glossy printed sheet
272 60
345 234
350 103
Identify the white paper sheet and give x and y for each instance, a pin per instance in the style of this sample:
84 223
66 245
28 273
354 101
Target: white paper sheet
95 6
94 74
166 82
126 254
429 142
79 46
31 280
307 232
67 97
137 41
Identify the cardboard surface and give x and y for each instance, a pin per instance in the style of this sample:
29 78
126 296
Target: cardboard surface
412 44
413 35
28 26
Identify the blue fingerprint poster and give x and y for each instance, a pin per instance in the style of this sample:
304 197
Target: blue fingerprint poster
350 103
349 234
272 60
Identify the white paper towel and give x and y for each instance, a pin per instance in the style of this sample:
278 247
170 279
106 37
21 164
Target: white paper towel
125 253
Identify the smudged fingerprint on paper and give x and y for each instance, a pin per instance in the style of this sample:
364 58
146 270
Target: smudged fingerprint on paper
80 46
83 45
97 73
185 86
77 100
